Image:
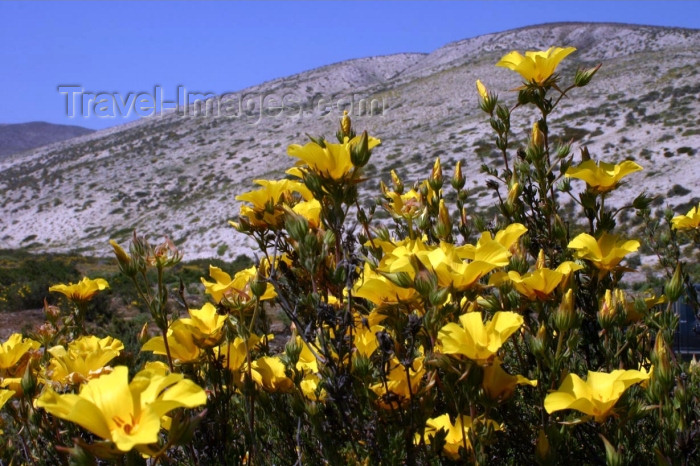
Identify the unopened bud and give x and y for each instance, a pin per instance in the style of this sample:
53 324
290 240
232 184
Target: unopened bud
345 124
458 180
258 287
444 221
583 77
398 184
542 450
674 287
540 262
565 316
483 92
360 153
143 335
401 279
606 311
425 281
436 175
537 136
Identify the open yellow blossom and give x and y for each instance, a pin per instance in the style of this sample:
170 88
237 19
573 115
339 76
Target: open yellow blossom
537 284
330 160
381 291
310 210
500 385
366 339
604 253
128 414
269 373
602 177
535 66
689 221
457 433
508 238
407 205
206 324
15 354
396 392
13 350
266 208
236 289
181 343
597 395
478 341
82 291
84 359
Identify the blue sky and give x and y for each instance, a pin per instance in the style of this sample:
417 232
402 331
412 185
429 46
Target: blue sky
123 47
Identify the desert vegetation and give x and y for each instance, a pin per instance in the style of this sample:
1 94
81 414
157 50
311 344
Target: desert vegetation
434 335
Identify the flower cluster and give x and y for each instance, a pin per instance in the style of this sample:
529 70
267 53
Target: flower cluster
428 334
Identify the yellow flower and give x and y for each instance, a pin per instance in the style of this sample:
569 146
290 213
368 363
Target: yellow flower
15 354
5 396
232 355
597 395
457 433
605 253
266 209
236 289
12 350
84 359
82 291
270 374
181 342
310 210
408 205
499 385
128 414
602 177
689 221
540 283
331 160
307 361
535 66
366 339
476 340
309 387
381 291
206 324
397 384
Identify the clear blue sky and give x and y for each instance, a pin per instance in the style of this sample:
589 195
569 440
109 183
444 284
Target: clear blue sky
224 47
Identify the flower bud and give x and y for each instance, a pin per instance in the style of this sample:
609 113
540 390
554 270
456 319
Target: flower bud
540 262
483 92
345 124
398 184
583 77
258 287
436 175
674 287
565 316
458 180
360 153
143 335
606 311
542 451
444 225
425 281
402 279
537 136
661 357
